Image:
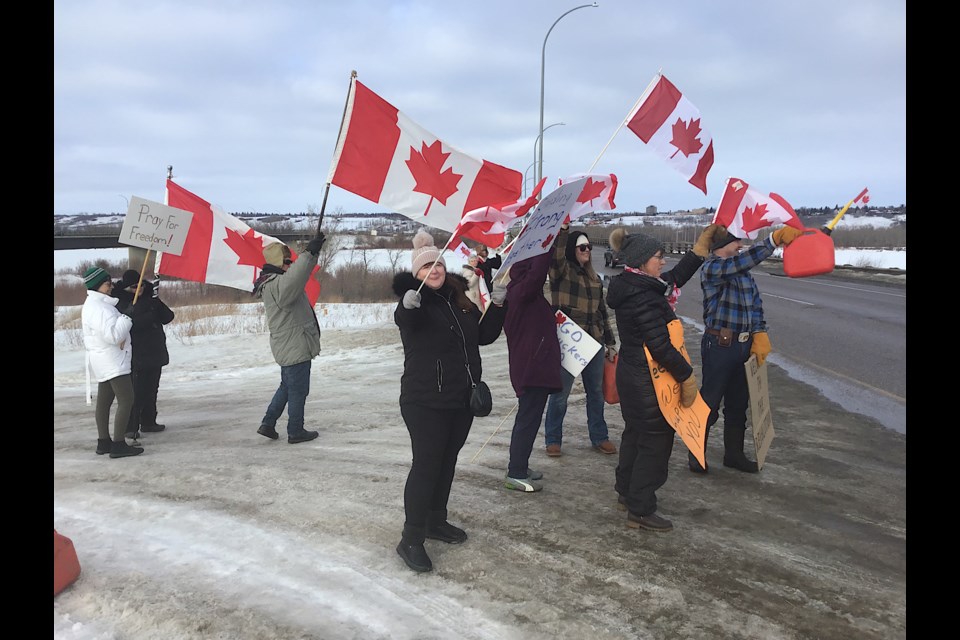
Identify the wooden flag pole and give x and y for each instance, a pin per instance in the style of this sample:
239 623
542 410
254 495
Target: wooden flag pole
337 149
494 432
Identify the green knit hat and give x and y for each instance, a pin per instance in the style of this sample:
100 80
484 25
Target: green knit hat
94 277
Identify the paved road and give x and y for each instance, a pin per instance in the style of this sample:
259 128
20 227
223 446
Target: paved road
846 335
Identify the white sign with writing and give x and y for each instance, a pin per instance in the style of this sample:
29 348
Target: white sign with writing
541 230
155 226
577 347
761 420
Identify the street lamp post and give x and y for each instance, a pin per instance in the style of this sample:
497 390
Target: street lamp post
543 64
125 199
537 141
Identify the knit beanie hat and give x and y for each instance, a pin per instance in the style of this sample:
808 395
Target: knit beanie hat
424 252
276 253
722 241
94 277
636 248
130 278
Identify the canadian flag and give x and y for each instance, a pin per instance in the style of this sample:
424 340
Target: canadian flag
488 225
219 249
385 157
743 211
484 296
461 250
670 125
864 197
598 193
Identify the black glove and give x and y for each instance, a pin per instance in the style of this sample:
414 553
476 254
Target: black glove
127 310
316 244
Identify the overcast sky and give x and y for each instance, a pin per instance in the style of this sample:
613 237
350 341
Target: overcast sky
245 98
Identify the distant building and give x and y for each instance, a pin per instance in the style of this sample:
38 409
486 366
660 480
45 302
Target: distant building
651 211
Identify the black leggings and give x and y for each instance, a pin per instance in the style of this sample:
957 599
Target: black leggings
436 437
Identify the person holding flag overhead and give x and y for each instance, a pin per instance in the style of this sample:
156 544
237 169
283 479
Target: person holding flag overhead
294 333
734 329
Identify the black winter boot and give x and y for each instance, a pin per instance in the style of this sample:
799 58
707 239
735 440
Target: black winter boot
439 529
103 445
122 450
692 461
412 551
733 455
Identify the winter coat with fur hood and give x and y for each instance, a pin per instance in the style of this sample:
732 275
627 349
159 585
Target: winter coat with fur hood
439 338
642 312
106 336
294 330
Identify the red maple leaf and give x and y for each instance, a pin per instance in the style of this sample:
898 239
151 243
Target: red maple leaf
248 247
685 137
866 199
547 241
753 218
559 318
591 190
426 166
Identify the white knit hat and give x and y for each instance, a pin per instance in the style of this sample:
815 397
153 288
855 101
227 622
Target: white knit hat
424 252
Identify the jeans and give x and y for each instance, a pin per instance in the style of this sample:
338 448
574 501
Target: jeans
292 395
724 380
592 376
525 427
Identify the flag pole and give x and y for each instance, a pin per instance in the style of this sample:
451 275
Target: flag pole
828 229
494 432
337 149
624 121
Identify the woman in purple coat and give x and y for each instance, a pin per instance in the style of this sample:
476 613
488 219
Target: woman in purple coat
534 355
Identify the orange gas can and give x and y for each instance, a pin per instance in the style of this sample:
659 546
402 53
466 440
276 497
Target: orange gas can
811 254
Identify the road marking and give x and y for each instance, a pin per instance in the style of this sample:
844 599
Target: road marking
880 291
770 295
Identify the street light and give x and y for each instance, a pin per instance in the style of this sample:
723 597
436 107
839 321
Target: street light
539 138
125 199
543 64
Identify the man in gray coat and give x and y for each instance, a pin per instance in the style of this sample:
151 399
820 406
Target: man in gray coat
294 334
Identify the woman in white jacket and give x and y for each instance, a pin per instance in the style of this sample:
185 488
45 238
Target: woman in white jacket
106 337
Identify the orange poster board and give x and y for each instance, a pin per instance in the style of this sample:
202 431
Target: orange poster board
691 422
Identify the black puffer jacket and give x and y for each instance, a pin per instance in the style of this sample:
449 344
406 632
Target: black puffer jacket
439 338
642 313
147 336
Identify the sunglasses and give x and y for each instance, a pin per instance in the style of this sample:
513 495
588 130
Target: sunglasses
584 247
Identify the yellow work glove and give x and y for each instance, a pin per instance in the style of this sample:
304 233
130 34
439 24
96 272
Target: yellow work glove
702 246
785 235
761 344
688 391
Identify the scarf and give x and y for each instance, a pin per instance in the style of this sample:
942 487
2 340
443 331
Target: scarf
671 292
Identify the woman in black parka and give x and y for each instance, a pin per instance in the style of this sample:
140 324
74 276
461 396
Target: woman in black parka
441 333
150 354
643 298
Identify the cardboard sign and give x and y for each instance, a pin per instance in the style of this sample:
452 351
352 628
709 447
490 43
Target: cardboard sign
690 422
577 347
761 419
155 226
541 230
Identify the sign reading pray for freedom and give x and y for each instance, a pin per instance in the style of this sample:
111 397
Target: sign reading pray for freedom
155 226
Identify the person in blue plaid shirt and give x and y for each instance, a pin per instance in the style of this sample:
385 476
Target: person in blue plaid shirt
734 329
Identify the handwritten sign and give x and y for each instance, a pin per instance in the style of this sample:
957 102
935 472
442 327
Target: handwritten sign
155 226
541 230
761 419
689 422
577 347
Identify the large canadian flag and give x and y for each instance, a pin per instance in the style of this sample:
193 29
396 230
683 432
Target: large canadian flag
219 248
743 210
598 193
670 125
387 158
